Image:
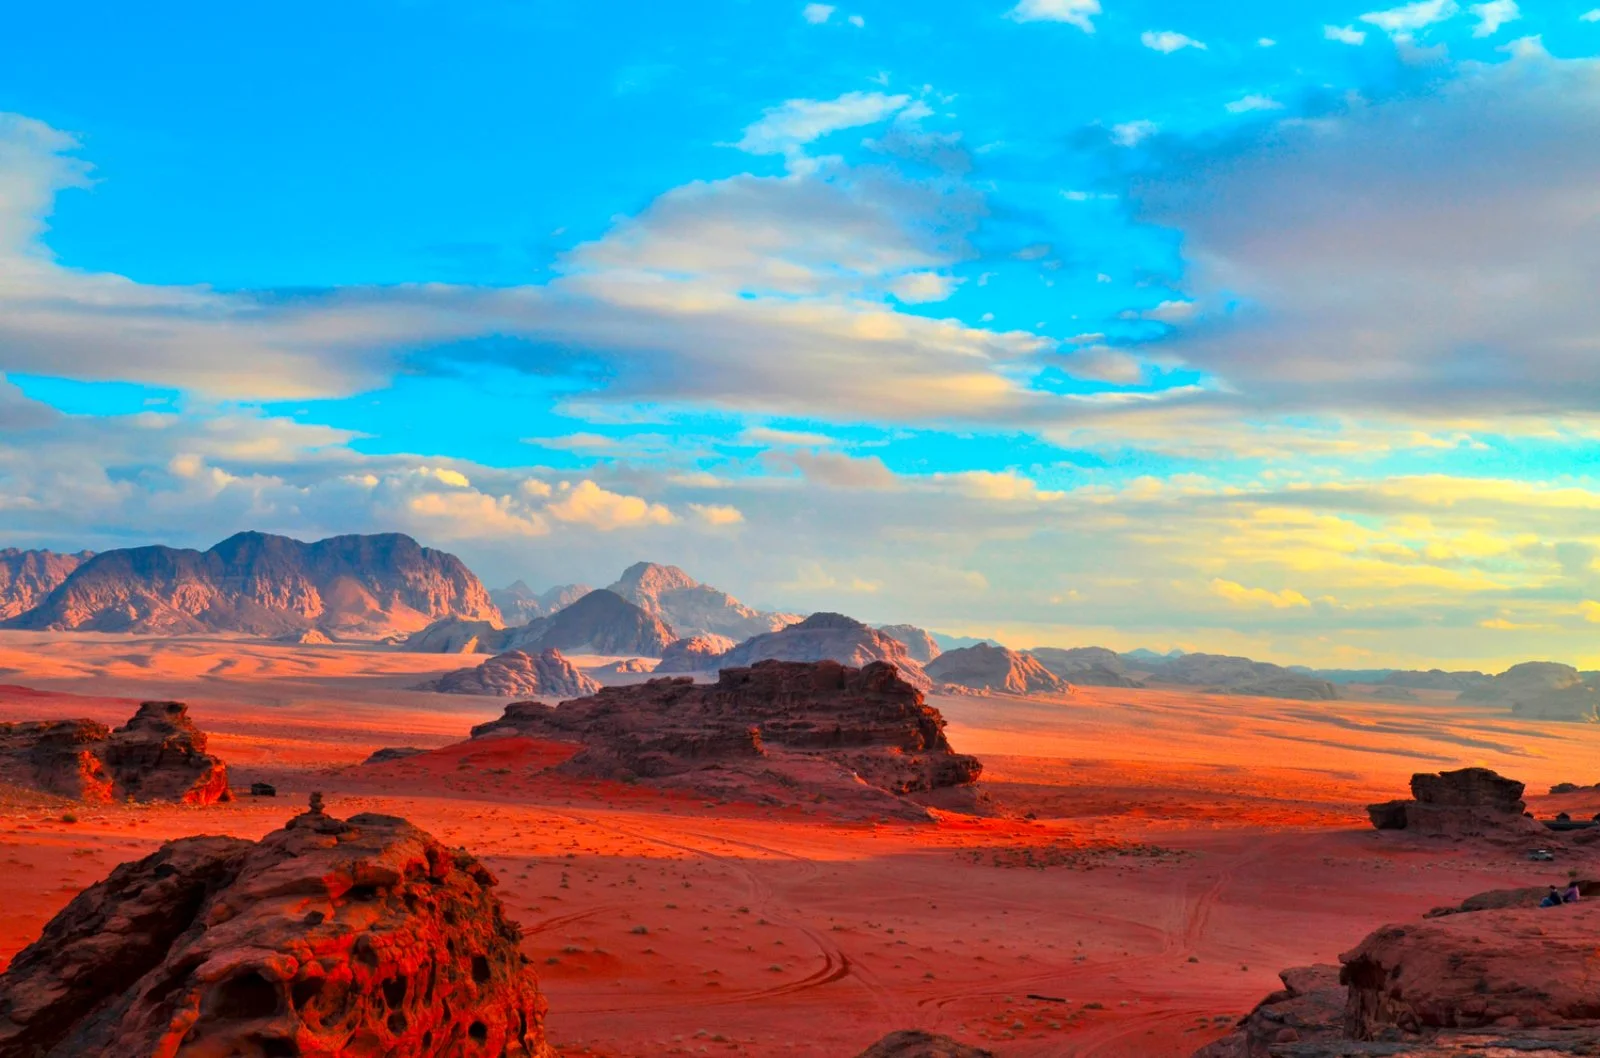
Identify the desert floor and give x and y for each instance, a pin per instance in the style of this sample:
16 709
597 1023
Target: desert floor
1182 849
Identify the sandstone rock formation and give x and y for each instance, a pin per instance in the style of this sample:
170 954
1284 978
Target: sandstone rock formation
919 1044
1228 675
1542 690
780 731
549 674
601 622
452 635
692 608
327 938
1307 1011
827 637
1435 680
631 666
26 577
1470 802
695 654
987 668
265 585
311 637
518 604
158 755
1087 666
918 643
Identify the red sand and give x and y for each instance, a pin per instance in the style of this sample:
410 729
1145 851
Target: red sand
1185 848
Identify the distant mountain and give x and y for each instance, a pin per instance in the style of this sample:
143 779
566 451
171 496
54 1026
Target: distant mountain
256 583
1230 675
695 654
826 637
690 607
919 644
987 668
26 577
1542 690
1343 676
1087 666
519 604
602 622
1142 654
515 674
957 642
1437 680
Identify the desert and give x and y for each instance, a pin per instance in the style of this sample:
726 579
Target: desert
1132 885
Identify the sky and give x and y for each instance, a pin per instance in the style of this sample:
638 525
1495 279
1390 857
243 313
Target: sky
1262 328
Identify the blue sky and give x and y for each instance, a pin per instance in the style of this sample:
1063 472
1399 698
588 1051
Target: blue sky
1268 329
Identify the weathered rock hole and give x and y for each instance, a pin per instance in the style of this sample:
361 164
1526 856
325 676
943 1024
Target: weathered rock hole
247 996
305 991
365 955
276 1048
480 969
362 893
396 1023
394 992
478 1031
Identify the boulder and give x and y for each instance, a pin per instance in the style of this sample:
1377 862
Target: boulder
327 938
782 732
388 753
158 755
695 654
918 1044
263 789
1308 1009
516 673
1470 802
991 668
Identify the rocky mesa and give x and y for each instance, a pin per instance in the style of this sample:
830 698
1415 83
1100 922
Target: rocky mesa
827 637
779 732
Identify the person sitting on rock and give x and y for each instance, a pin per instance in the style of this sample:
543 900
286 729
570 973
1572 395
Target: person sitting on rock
1572 894
1552 898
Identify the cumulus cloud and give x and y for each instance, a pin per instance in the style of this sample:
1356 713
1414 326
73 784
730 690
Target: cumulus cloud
1408 18
717 514
586 503
1080 13
1493 15
1240 595
1431 254
1253 102
838 470
1167 42
1345 34
816 14
1133 133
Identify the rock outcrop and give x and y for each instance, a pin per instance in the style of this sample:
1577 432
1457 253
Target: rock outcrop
918 643
514 673
366 586
26 577
326 938
1435 680
1542 690
692 608
1087 666
918 1044
518 604
1308 1010
158 755
695 654
601 622
987 668
782 732
827 637
452 635
1470 802
1229 675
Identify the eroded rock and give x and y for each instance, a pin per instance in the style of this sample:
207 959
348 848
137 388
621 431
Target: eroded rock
327 938
918 1044
515 673
158 755
1469 802
695 654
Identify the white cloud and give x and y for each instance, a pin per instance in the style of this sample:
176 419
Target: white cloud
1266 42
1408 18
784 129
857 21
1078 13
1133 133
1001 486
588 504
717 514
1344 34
1168 42
837 470
1590 16
816 14
1493 15
1253 102
1240 595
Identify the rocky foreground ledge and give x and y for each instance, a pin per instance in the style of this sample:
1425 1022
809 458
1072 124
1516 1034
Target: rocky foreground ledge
358 937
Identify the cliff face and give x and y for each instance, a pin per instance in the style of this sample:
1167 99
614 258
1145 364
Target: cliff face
26 577
265 585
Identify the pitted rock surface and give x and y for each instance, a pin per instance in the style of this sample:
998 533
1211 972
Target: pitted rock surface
359 938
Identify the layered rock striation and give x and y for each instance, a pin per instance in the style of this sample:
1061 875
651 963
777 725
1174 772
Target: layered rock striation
158 755
327 938
779 731
26 577
1469 802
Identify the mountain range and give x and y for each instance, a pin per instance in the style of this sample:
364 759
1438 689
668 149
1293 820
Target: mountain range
256 583
26 577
